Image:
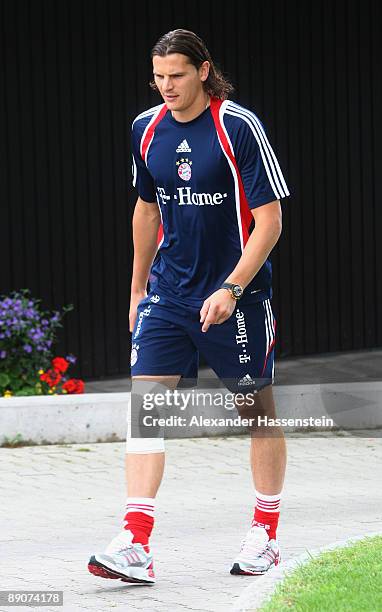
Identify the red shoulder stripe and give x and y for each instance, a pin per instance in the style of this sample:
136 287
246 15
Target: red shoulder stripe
245 212
149 132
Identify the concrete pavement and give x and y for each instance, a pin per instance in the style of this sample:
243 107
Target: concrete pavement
59 504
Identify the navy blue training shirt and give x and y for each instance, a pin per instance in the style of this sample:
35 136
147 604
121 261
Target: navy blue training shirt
206 175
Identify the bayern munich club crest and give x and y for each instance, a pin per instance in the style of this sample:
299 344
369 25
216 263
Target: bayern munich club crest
134 354
184 168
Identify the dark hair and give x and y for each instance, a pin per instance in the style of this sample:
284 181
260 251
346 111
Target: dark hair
189 44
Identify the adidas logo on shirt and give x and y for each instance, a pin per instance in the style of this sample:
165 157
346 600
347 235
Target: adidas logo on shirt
184 147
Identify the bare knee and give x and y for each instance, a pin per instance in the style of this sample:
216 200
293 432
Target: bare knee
258 410
170 381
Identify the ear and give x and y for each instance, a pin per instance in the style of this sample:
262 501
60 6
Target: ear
204 71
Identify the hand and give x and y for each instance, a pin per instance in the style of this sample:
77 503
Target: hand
135 298
217 308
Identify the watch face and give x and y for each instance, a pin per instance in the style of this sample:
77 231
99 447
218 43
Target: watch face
237 291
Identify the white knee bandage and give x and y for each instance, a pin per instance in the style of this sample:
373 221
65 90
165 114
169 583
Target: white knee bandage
141 391
141 446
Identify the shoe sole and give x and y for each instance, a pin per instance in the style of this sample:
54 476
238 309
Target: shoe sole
97 568
237 571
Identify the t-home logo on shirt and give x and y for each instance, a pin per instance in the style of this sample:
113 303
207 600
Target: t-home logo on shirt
184 196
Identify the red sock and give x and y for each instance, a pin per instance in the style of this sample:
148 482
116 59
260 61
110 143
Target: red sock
267 513
139 518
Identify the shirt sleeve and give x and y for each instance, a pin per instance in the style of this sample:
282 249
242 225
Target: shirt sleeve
260 171
142 179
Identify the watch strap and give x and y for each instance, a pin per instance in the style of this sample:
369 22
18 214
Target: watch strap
230 287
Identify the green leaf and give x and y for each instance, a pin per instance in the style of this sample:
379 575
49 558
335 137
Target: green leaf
25 391
4 379
17 384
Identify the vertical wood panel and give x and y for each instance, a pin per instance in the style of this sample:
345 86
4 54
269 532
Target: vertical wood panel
72 77
306 180
78 70
66 97
13 134
330 201
28 182
120 144
5 243
321 219
54 160
355 166
376 25
281 257
94 190
106 170
295 180
343 174
367 197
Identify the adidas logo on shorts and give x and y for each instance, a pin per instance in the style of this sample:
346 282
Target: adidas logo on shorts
184 147
246 380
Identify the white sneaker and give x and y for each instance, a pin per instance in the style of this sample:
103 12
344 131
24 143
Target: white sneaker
257 554
124 560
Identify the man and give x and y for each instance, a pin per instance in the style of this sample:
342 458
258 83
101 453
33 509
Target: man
209 187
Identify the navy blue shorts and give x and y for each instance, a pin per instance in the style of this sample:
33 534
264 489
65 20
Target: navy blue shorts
167 340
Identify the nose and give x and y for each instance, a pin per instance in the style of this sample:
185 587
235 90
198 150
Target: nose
167 84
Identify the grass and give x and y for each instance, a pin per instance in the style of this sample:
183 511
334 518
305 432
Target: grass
344 580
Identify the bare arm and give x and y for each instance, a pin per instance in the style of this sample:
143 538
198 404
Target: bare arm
146 222
268 220
219 306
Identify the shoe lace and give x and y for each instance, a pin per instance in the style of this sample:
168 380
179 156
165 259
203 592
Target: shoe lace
253 546
119 546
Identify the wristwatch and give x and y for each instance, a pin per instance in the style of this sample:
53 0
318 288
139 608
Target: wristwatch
236 291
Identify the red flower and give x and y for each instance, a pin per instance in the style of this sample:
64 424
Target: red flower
60 364
74 385
51 377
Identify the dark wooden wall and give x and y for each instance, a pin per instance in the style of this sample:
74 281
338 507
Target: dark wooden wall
73 75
